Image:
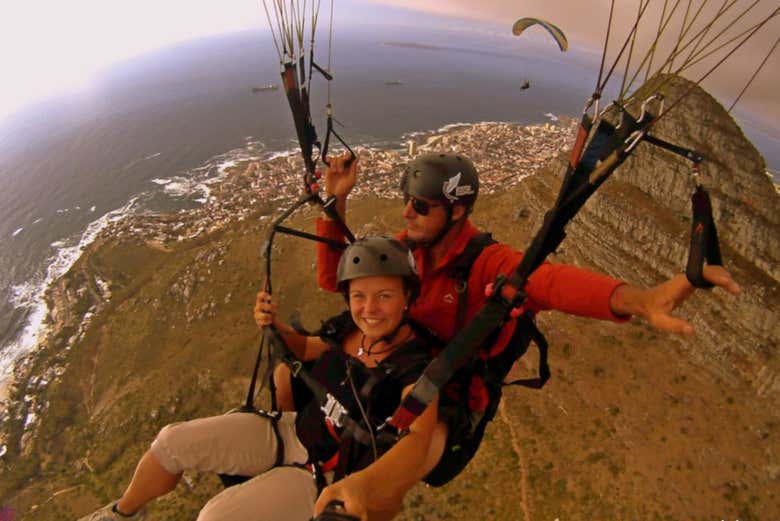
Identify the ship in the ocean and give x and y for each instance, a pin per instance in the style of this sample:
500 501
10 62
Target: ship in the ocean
394 83
265 88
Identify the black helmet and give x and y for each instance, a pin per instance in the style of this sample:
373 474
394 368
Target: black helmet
378 256
449 178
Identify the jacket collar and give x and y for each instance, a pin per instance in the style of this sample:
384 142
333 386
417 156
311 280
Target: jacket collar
459 244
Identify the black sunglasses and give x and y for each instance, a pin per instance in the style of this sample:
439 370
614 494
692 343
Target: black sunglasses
420 207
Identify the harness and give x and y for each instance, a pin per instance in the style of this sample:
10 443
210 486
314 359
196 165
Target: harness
362 435
467 419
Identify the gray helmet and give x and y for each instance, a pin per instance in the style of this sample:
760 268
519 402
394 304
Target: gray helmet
449 178
377 256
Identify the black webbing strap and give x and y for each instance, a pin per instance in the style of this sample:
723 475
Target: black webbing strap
458 353
544 367
704 234
460 272
298 99
249 403
312 237
461 269
344 456
704 239
334 512
671 147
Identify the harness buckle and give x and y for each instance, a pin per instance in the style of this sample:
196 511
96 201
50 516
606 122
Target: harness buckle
333 410
495 292
695 173
295 368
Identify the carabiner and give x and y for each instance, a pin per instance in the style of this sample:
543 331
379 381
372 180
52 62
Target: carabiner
657 96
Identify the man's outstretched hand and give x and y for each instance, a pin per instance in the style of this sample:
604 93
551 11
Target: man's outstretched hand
656 304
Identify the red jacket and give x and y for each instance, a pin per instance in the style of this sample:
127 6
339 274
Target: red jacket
552 286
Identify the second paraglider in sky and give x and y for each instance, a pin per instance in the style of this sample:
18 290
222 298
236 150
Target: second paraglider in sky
524 23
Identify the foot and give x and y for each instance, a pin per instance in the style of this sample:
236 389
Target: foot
108 513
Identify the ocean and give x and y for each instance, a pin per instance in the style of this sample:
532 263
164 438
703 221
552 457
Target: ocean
151 133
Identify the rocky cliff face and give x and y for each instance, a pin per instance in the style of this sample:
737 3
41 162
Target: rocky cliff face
638 225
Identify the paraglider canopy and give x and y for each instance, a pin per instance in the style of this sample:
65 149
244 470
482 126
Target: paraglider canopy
524 23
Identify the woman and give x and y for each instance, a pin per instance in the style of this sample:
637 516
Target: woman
366 358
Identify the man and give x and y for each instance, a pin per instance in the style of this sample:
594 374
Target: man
439 193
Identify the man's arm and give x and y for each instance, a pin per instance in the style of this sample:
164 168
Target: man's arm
339 181
561 287
585 293
327 256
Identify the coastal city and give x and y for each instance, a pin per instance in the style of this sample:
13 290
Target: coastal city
504 153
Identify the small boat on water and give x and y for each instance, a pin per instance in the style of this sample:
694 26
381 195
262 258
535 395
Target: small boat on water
265 88
525 85
394 83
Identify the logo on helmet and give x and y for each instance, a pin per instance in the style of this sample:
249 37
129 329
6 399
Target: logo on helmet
449 188
453 192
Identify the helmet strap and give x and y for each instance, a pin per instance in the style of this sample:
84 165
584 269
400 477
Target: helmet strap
444 230
387 339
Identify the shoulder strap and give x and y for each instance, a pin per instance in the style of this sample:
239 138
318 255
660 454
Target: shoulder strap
461 269
335 328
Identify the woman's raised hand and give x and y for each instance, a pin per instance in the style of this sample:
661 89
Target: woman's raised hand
265 310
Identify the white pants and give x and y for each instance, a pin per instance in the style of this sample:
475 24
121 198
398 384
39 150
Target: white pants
242 444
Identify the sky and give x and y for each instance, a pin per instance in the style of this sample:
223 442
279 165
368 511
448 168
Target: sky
585 23
49 47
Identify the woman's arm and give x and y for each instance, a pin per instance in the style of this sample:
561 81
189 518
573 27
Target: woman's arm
303 347
381 486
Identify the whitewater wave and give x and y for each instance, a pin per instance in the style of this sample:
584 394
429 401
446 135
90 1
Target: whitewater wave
195 183
283 153
30 295
450 126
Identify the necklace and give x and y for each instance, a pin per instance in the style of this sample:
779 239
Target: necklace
370 350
